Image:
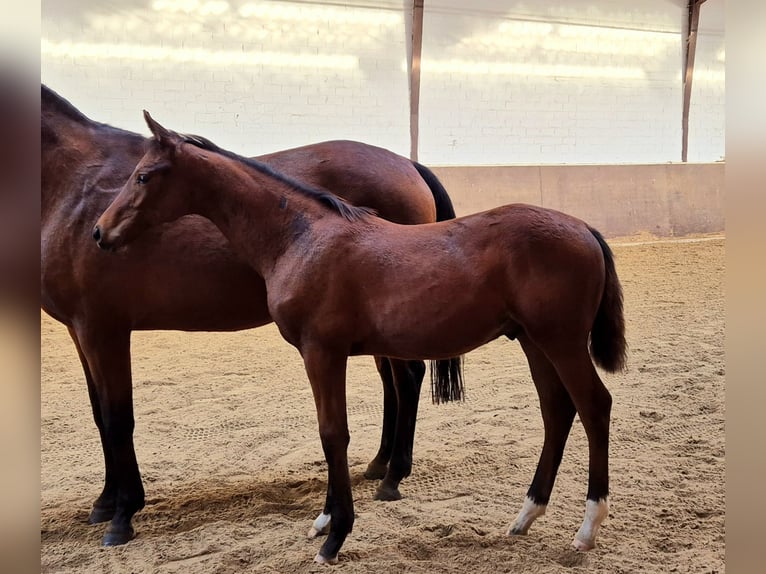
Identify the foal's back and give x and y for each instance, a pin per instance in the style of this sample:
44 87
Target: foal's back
488 274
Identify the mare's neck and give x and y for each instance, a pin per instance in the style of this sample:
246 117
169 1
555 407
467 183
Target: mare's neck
259 215
79 156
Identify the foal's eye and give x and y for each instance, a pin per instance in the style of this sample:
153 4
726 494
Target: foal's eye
142 178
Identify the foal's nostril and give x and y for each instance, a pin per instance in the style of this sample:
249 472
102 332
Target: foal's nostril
97 233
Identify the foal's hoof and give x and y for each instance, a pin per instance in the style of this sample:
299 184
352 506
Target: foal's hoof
99 515
515 531
320 526
375 471
319 559
582 546
387 493
315 532
118 537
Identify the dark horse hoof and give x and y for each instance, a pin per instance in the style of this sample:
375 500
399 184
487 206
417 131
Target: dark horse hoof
375 470
118 537
387 493
99 515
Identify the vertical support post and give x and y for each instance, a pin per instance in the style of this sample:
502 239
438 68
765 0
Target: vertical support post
417 47
690 49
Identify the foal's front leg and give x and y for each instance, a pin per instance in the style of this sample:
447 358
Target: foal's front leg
327 374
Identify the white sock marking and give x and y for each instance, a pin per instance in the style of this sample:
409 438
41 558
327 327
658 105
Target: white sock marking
527 515
595 513
321 526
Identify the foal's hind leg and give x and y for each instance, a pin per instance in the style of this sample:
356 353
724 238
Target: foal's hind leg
558 414
408 378
593 403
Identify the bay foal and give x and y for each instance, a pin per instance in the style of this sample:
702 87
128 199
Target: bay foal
342 282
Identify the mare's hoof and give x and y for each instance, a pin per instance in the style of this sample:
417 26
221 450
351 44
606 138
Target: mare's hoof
515 531
319 559
118 537
387 493
582 546
375 471
99 515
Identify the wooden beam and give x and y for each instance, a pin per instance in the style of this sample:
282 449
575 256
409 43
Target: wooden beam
417 48
690 49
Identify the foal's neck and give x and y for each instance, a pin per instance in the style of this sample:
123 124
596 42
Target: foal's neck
260 215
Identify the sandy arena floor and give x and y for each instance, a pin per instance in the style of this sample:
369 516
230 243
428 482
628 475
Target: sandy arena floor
234 473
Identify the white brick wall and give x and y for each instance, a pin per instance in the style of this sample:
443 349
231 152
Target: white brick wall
707 125
499 88
502 82
282 75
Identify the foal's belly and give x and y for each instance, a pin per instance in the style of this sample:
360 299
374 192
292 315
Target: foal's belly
441 333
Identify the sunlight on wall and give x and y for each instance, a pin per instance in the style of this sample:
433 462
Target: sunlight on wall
204 56
510 36
466 67
514 91
528 48
255 76
337 14
499 87
191 7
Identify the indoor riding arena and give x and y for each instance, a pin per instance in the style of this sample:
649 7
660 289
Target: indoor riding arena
609 111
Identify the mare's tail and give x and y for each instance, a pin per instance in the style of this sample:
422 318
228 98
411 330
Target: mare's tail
444 209
607 338
446 374
447 380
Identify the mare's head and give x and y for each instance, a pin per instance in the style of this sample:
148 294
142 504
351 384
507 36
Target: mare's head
155 193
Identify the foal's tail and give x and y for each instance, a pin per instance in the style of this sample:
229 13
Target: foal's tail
446 374
607 338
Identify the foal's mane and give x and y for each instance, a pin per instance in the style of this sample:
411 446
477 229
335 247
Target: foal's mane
350 212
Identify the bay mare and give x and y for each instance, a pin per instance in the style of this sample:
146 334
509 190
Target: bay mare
342 282
185 276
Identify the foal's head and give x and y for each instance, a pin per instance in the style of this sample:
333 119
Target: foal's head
157 191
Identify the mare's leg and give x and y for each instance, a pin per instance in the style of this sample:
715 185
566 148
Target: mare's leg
379 465
107 354
103 508
594 404
327 374
558 413
408 378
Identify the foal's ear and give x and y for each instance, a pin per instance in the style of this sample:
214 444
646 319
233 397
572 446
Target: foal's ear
163 135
